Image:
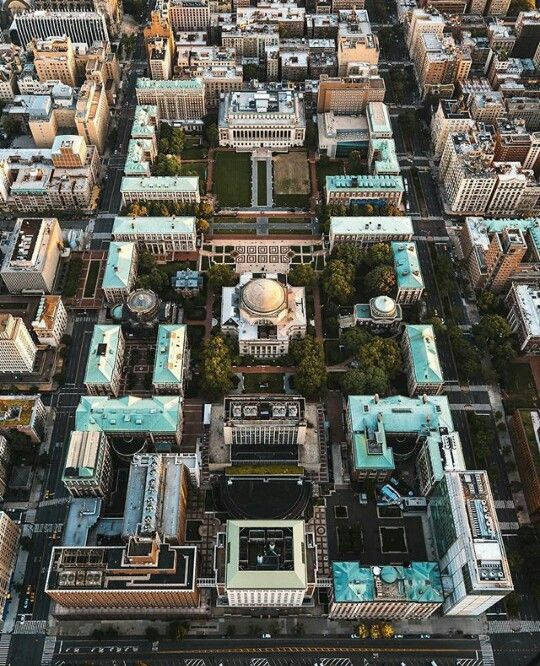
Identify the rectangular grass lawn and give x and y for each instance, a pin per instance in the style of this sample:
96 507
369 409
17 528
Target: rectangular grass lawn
261 383
262 199
232 179
291 180
91 278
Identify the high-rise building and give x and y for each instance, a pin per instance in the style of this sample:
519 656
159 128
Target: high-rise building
32 256
271 119
469 543
523 316
527 29
350 95
17 349
92 114
9 537
24 414
423 21
450 116
178 100
88 466
80 27
189 14
112 9
265 564
352 51
159 43
105 358
54 59
440 63
50 321
524 426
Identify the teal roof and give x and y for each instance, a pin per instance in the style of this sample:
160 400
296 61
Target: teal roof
378 118
160 414
370 450
386 162
425 358
133 226
119 263
169 359
360 182
148 184
138 160
362 311
530 224
420 582
407 266
143 122
169 84
104 354
371 225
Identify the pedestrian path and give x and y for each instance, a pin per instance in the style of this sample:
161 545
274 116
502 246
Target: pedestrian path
30 627
5 641
513 626
48 650
487 651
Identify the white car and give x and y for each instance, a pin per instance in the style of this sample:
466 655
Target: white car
266 636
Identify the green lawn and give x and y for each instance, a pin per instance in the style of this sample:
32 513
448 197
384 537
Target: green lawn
196 168
193 149
261 383
520 388
291 200
232 179
262 199
91 278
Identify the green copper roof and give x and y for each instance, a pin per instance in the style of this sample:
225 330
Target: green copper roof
378 118
530 224
119 263
169 84
169 359
425 358
386 162
104 354
160 414
370 451
159 184
361 182
143 123
138 157
407 266
420 582
133 226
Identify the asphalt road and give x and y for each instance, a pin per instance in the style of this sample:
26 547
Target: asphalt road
211 652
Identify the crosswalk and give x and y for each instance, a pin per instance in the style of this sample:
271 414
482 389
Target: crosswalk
467 661
30 627
194 662
487 651
336 661
5 641
259 661
48 650
48 527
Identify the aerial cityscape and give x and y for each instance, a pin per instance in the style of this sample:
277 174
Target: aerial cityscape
270 332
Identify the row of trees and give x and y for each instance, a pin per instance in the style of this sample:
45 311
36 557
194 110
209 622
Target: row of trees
307 355
160 208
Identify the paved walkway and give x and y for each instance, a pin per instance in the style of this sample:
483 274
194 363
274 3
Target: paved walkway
209 314
317 313
210 171
264 369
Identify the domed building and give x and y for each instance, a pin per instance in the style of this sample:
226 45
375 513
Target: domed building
264 314
382 313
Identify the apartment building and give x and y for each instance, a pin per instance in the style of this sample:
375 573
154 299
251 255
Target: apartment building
90 580
9 538
80 27
440 64
271 119
50 321
374 190
88 466
159 44
450 117
156 498
171 361
527 108
184 189
352 51
120 271
423 368
10 70
157 419
32 255
178 100
469 543
527 29
17 349
523 429
265 564
523 316
286 16
363 231
92 114
23 413
249 41
104 367
423 21
112 9
414 591
486 107
350 95
165 237
218 80
500 250
54 59
188 14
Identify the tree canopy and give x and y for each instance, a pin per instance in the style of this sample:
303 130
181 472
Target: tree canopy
216 367
338 281
302 275
308 356
380 280
221 275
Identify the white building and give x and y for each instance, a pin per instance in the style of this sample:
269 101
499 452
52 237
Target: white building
469 543
524 316
50 321
17 349
88 467
32 256
366 230
265 564
272 119
162 236
264 314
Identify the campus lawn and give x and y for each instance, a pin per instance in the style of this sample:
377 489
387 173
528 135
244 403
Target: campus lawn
232 179
261 383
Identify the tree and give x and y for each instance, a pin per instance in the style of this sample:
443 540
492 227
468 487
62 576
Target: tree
167 165
338 281
73 276
355 162
354 338
157 280
178 630
202 225
380 280
489 302
221 275
381 353
362 631
378 254
216 367
147 262
492 330
206 208
302 275
211 133
387 630
308 355
367 380
375 631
